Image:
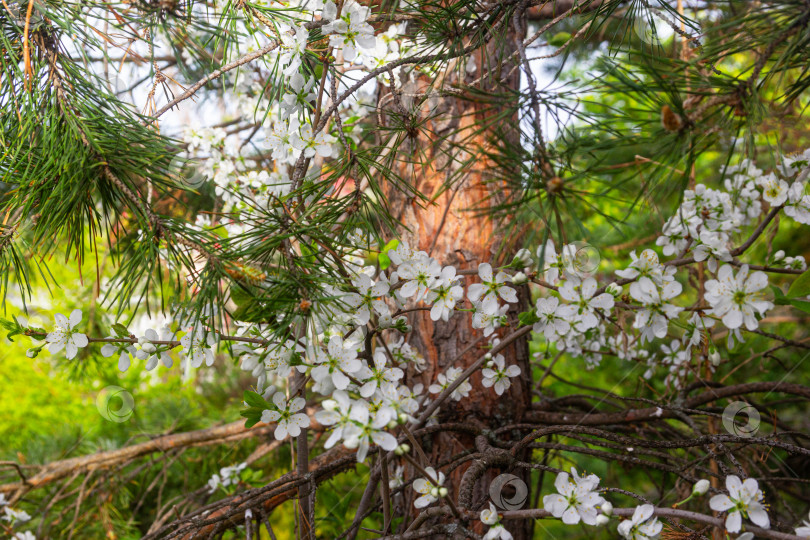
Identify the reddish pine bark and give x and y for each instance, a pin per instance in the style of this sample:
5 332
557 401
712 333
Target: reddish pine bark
454 229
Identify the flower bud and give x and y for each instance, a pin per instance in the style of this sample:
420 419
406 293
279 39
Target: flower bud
443 492
714 356
701 487
607 508
779 255
392 424
522 258
519 278
488 356
601 520
402 418
402 449
613 289
434 492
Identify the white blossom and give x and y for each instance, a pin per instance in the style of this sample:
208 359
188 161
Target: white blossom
798 203
418 276
149 350
553 317
557 267
488 321
15 516
367 298
653 319
312 144
289 420
227 476
403 254
744 500
736 299
335 412
428 487
696 328
490 288
378 374
336 363
576 498
444 380
293 47
367 427
349 30
444 294
580 294
701 487
647 273
795 263
489 516
804 530
280 140
496 374
197 343
63 335
298 97
641 526
774 190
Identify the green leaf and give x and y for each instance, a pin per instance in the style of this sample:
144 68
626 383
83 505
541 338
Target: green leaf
800 287
559 39
13 328
528 317
252 414
120 330
383 258
801 304
393 244
255 400
778 298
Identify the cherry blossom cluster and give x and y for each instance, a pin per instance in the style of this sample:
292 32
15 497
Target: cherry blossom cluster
710 225
364 396
227 476
361 376
14 518
578 500
284 123
362 381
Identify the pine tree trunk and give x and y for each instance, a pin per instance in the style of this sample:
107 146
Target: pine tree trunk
445 162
